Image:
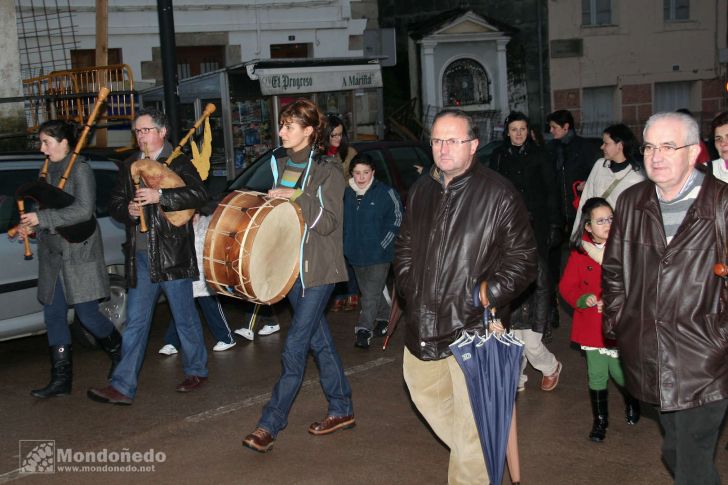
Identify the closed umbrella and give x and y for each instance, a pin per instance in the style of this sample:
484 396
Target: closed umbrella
491 365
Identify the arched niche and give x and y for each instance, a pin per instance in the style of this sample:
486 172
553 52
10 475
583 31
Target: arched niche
465 83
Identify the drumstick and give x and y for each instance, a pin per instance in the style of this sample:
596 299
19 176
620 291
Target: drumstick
28 255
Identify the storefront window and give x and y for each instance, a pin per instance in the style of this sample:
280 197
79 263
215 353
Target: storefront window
337 103
366 107
358 109
252 130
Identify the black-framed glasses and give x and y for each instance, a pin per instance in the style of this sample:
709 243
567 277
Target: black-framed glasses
451 142
601 221
649 150
144 131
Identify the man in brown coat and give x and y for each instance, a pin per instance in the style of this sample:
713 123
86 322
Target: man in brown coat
663 302
466 227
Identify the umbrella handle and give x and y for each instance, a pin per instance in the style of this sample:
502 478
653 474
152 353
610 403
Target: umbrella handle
512 456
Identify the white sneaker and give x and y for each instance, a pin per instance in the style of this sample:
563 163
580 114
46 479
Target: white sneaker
246 333
168 349
269 329
220 346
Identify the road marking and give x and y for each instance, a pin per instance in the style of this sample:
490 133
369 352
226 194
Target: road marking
262 398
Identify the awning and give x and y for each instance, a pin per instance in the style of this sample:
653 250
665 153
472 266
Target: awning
297 79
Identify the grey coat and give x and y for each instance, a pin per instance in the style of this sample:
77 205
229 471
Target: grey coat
78 266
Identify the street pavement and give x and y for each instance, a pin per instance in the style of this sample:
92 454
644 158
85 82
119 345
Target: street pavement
196 437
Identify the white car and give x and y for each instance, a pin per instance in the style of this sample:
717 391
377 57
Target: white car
21 314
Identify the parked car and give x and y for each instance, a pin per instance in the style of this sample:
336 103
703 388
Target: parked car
21 314
397 163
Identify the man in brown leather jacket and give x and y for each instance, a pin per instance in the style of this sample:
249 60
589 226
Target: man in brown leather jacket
663 302
466 227
162 259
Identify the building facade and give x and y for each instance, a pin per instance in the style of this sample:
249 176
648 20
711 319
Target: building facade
249 57
459 60
215 34
618 61
524 21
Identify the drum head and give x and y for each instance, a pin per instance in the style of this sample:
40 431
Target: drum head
275 253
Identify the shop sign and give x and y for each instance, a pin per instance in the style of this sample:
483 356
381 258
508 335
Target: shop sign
318 81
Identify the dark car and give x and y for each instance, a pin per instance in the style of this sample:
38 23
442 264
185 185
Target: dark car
397 163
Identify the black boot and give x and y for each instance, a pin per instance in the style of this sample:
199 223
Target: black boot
631 409
112 347
61 373
600 410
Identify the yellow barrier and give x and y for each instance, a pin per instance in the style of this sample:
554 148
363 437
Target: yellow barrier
71 94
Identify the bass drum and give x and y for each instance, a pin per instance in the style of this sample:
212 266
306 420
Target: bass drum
252 247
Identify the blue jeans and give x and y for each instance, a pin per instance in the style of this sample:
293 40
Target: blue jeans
309 331
347 288
140 309
214 317
88 312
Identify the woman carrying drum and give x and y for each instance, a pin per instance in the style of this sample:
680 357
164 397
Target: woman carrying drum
316 184
69 273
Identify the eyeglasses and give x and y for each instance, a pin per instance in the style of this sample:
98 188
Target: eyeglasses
436 142
667 150
602 220
144 131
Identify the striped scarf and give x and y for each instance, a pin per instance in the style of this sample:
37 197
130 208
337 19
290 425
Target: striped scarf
674 211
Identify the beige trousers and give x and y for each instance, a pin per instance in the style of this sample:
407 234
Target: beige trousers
438 389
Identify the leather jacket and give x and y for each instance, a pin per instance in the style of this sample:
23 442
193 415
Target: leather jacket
171 248
531 173
453 237
663 302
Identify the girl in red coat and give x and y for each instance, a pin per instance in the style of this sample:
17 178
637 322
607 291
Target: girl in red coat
581 287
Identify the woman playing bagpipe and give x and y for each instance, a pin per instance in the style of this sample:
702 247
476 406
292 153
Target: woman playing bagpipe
70 273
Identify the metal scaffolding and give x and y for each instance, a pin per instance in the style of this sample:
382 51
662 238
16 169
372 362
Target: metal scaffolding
46 36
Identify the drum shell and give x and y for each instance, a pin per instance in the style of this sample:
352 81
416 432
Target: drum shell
249 231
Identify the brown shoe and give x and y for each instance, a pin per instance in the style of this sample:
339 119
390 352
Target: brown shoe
108 395
351 303
191 383
548 383
259 440
338 305
331 424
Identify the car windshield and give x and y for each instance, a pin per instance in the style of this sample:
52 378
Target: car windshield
257 176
